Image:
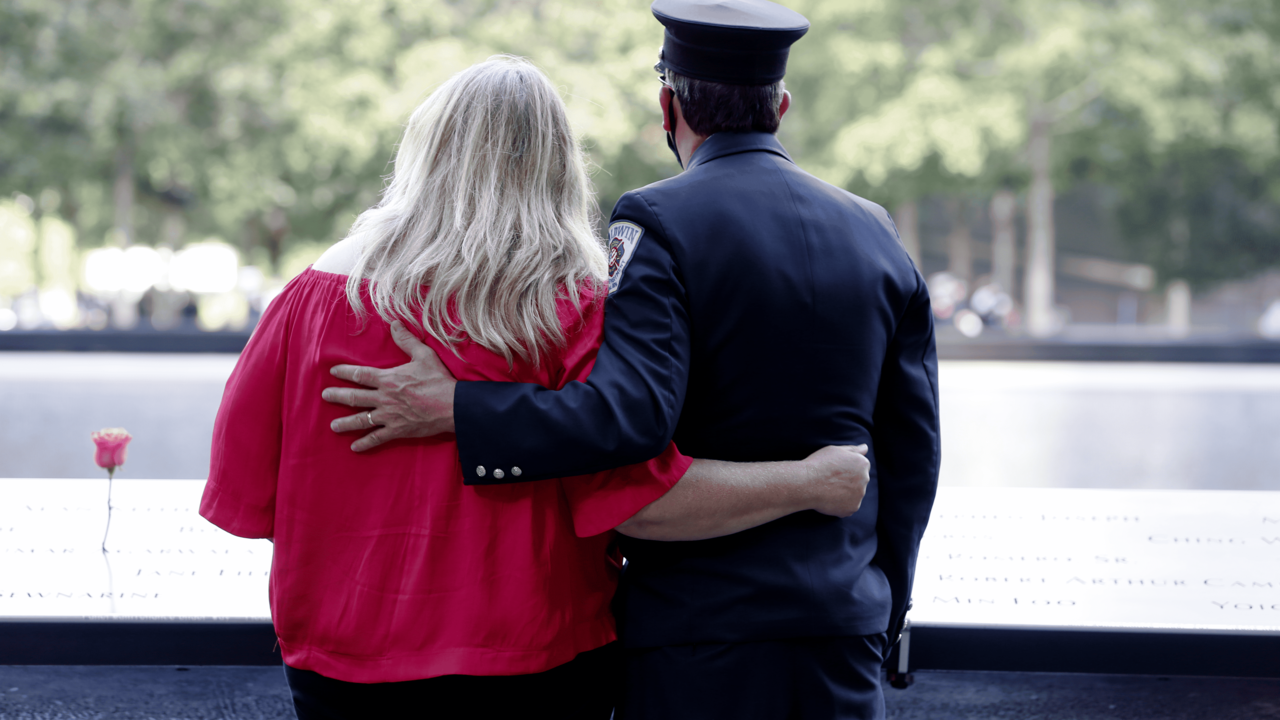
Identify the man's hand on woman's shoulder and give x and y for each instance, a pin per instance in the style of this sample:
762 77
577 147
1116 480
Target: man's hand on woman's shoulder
412 400
838 478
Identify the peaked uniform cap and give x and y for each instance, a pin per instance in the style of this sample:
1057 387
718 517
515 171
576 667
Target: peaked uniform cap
737 42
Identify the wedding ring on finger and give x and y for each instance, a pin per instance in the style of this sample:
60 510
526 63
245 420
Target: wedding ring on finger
369 414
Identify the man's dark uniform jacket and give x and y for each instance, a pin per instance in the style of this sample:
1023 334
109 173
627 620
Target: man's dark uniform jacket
759 314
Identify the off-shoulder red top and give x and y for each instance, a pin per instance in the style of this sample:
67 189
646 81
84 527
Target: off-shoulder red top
386 567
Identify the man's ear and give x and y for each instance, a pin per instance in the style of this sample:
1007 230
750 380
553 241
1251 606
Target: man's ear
664 102
785 104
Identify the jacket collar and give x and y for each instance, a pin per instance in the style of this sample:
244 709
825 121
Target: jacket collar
727 143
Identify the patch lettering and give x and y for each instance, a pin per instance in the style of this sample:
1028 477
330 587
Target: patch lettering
624 236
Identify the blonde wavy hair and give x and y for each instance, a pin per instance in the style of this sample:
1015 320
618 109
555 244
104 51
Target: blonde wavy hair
489 217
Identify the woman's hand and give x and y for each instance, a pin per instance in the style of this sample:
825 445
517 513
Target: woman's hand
838 479
716 498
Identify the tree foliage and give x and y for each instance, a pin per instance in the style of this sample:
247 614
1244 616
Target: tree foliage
271 123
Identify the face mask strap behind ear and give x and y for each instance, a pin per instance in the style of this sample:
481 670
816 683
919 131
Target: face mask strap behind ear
671 134
661 69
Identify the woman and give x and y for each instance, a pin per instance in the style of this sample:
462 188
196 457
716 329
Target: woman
393 585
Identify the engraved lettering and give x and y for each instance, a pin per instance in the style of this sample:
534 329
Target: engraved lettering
1172 540
1005 558
1092 518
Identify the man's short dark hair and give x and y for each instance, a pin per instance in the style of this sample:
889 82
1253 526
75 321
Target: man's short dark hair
710 107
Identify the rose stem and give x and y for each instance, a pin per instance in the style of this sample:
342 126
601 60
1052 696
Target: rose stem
110 474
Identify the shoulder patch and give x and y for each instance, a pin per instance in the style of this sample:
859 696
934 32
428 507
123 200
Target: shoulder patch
624 236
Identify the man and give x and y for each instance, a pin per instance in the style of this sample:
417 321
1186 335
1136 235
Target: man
755 313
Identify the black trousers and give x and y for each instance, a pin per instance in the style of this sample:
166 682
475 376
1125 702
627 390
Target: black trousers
584 688
835 678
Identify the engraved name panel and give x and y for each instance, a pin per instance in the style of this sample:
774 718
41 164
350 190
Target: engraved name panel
1180 560
163 560
1018 557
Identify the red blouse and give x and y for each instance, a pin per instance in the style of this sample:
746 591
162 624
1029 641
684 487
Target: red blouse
386 567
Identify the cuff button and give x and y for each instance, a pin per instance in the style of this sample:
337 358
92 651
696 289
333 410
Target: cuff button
515 471
497 474
480 470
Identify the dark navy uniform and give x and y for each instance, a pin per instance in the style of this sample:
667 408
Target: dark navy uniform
756 313
762 314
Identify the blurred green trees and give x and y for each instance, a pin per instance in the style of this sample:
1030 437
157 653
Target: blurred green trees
980 98
271 123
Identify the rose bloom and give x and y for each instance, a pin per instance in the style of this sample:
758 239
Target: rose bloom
111 444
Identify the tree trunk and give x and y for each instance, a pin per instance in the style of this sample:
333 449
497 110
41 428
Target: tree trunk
174 227
1177 296
1038 293
907 217
1177 303
959 242
277 224
123 193
1004 238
